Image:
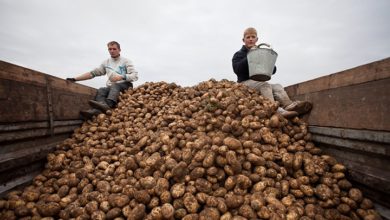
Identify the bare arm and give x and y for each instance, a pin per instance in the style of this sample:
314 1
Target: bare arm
84 76
81 77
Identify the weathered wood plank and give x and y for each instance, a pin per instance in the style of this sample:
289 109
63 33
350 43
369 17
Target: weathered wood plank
35 133
368 159
7 147
364 135
9 71
361 106
35 125
373 167
20 176
28 95
25 156
366 147
364 73
22 102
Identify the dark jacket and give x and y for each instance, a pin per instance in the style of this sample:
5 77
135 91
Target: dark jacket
240 64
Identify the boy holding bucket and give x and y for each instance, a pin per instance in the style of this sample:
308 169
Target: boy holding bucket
273 92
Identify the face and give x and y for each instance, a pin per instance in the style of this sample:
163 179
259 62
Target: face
250 40
114 50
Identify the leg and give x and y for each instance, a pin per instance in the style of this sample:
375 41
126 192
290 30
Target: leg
281 95
88 114
264 88
100 99
301 107
113 94
102 94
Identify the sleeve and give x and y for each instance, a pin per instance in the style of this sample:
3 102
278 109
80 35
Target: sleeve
99 71
131 73
240 64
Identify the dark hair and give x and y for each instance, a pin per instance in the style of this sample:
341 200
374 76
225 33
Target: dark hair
114 43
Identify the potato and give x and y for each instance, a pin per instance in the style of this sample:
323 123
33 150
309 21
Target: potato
118 200
297 162
138 212
161 186
366 204
91 207
355 194
233 201
48 209
191 203
247 212
113 213
264 213
103 186
179 171
142 196
343 208
209 214
255 160
307 190
167 211
21 211
98 215
203 185
31 195
338 168
323 192
243 182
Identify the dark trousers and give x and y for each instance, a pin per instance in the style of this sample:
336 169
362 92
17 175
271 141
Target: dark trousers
110 94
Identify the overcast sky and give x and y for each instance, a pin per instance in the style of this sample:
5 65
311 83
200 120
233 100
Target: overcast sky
190 41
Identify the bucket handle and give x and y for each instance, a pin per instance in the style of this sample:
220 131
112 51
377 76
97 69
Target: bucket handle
265 44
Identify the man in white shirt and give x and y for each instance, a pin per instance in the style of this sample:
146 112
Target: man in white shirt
120 72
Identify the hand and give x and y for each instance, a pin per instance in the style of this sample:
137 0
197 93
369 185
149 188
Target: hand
116 77
71 79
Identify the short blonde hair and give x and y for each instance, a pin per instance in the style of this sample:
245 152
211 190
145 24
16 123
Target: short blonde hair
250 30
114 43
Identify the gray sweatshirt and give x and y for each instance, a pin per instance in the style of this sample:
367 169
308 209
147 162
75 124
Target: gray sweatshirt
117 66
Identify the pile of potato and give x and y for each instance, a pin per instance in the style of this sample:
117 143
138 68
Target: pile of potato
213 151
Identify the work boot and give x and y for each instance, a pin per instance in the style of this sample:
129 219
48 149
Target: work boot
285 113
88 114
301 107
99 105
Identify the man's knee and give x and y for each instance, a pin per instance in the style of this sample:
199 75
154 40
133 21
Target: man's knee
277 87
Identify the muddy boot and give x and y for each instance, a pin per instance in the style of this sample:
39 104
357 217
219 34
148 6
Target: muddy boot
301 107
285 113
102 106
88 114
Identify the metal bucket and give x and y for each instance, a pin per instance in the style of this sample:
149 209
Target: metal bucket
261 62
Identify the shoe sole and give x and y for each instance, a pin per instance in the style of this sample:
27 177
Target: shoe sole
98 106
86 115
302 107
